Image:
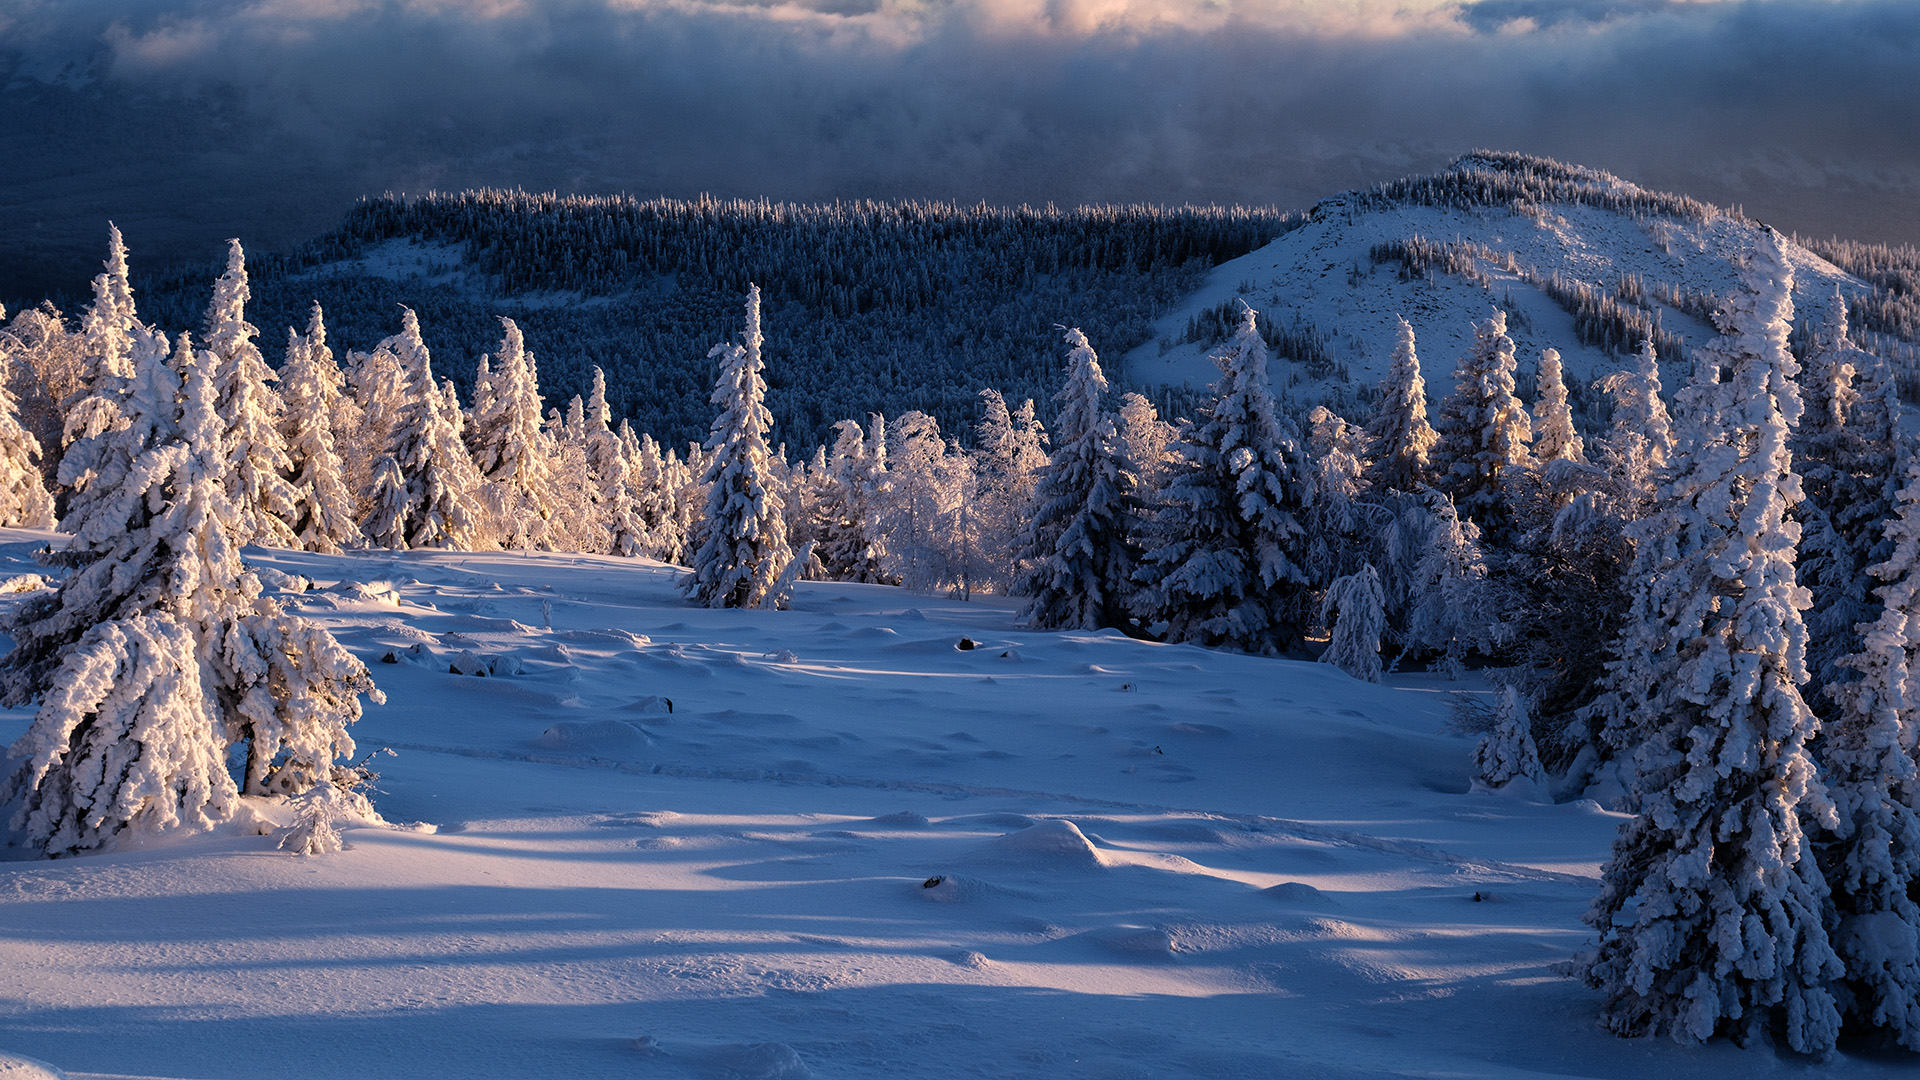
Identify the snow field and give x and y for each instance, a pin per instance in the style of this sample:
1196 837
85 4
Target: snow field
850 849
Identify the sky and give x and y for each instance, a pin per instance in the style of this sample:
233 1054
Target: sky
188 121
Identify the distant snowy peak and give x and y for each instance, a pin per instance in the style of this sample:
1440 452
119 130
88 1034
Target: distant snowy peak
1581 261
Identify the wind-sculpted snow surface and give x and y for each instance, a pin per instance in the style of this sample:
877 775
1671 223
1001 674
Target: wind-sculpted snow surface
678 842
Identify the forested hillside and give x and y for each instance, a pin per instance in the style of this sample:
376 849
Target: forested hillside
870 307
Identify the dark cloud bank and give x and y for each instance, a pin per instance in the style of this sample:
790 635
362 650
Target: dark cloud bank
191 120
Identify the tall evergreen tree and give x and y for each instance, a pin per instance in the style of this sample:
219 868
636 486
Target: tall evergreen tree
1554 436
1402 438
1483 428
24 500
438 506
743 560
1710 912
256 463
1226 548
514 455
1870 760
313 390
611 470
1076 553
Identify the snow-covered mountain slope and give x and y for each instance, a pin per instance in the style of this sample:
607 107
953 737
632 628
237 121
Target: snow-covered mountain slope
1513 224
850 847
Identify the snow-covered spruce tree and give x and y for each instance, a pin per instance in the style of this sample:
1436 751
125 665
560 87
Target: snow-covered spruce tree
1226 547
850 547
1635 450
1506 754
112 331
921 508
1148 441
1710 915
578 521
1870 759
1075 556
49 362
379 388
612 474
1010 449
1402 438
313 391
1335 476
513 454
743 559
158 652
24 500
1554 436
258 494
438 504
1483 428
1844 449
1356 608
1452 610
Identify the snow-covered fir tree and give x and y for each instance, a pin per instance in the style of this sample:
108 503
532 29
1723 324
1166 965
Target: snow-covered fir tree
111 331
1483 428
1710 915
1870 761
1636 448
258 494
379 390
1554 436
1402 438
850 546
1225 551
1010 449
1506 754
922 508
430 495
1452 611
743 560
1335 469
514 455
611 470
313 392
25 502
1075 556
157 652
1844 449
1356 608
1148 441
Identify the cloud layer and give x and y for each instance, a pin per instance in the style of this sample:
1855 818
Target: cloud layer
200 118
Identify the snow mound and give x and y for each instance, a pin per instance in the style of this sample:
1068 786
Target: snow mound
417 654
651 705
1295 892
903 819
1133 940
15 1067
596 738
1054 844
609 634
377 592
954 889
271 580
487 625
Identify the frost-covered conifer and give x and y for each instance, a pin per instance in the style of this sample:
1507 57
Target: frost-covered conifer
1637 447
1010 449
621 525
1076 554
312 389
1870 760
24 500
1483 428
744 560
1554 436
1506 753
1710 912
1226 547
112 332
158 652
850 547
1148 441
921 507
1451 608
511 451
1844 449
379 388
1356 608
578 521
256 463
1402 438
1334 472
441 506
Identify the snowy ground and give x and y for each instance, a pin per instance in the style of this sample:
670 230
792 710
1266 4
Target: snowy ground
852 849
